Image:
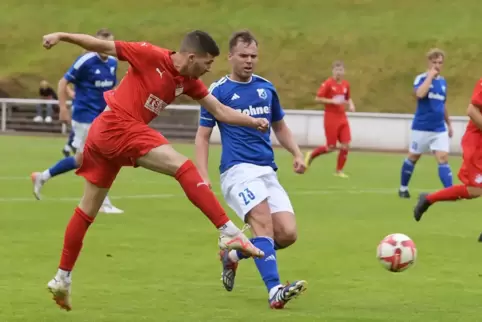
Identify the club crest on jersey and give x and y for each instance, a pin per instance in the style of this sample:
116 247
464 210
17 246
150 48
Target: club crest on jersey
262 93
179 90
155 104
112 70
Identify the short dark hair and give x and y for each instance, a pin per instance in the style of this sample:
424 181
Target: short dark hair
244 36
199 42
104 33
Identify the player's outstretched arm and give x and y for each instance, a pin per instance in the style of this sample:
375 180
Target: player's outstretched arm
201 142
225 114
87 42
474 113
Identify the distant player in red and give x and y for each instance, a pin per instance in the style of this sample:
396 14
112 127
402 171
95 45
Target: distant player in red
470 172
334 93
121 137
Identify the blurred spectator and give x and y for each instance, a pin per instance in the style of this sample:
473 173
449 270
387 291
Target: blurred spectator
46 92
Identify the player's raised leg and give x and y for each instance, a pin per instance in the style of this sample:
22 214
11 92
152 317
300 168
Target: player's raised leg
164 159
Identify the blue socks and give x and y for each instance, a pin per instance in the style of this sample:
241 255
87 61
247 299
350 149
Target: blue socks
64 165
445 174
268 265
406 173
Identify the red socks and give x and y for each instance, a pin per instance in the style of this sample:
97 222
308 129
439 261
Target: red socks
342 155
450 193
200 195
319 151
73 239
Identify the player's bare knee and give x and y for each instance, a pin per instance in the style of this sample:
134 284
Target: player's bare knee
259 218
92 199
442 157
330 148
345 146
413 157
284 226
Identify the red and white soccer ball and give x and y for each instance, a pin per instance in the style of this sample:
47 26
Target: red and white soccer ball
397 252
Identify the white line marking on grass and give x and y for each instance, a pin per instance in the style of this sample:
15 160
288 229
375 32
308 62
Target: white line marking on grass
327 191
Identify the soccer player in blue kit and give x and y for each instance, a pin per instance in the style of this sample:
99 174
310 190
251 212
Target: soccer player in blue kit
248 172
92 74
429 130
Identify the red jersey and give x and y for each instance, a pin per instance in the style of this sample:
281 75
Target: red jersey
151 82
334 90
472 132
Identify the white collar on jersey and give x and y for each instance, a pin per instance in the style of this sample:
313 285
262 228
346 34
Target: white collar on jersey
232 80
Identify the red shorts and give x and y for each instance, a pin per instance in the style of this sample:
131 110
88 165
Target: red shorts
112 143
337 129
470 172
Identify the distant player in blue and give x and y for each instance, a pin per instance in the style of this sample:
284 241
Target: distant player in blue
248 171
91 74
431 127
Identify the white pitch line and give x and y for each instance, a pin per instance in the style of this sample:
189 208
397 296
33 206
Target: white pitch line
332 191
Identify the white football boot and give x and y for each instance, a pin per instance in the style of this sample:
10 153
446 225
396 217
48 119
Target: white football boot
61 287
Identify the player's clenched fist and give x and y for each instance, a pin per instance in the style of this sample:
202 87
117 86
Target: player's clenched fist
51 40
262 124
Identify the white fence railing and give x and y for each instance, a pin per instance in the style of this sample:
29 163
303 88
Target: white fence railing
377 131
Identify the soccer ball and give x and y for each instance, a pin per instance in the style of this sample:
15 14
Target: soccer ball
397 252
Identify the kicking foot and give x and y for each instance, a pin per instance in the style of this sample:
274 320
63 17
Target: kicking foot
240 242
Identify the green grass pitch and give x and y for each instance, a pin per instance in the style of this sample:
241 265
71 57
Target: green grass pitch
158 261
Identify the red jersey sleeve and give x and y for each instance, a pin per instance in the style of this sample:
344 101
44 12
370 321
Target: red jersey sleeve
135 53
197 90
477 94
324 89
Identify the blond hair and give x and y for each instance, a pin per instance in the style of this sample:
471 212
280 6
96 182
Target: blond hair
435 53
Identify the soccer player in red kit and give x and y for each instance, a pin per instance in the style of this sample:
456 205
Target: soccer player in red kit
470 173
334 93
121 137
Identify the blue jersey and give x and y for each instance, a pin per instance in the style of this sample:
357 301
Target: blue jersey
430 114
91 77
257 98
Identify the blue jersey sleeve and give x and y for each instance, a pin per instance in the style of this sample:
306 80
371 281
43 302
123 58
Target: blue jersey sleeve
276 109
418 81
75 71
206 119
